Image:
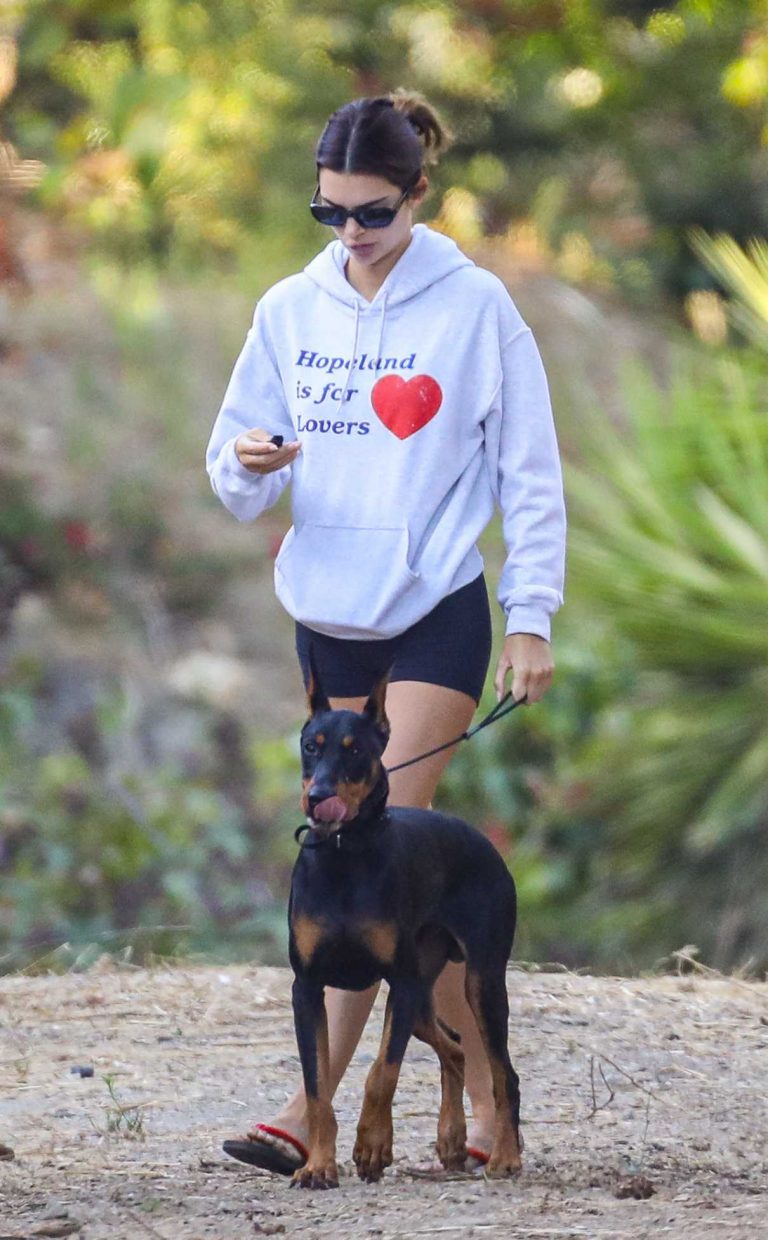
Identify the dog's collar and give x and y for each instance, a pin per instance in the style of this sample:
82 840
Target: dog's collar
349 836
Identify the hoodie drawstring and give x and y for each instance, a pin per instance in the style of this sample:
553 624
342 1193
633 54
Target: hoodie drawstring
353 361
381 325
379 346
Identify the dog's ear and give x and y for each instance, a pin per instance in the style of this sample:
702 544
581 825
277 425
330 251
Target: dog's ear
374 708
316 698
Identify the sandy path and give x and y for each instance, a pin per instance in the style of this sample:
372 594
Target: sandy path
661 1079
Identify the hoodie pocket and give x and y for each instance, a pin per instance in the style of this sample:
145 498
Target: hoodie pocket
345 580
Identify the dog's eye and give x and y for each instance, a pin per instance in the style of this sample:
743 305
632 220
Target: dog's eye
310 747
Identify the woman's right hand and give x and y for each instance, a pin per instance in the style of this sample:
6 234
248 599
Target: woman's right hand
258 455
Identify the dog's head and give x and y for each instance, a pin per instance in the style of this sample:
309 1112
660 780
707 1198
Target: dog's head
341 756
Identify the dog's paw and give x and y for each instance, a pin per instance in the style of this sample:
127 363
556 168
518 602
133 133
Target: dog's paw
316 1175
372 1155
451 1147
503 1163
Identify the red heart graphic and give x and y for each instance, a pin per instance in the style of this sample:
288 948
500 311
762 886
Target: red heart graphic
404 407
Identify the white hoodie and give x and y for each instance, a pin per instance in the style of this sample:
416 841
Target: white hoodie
416 412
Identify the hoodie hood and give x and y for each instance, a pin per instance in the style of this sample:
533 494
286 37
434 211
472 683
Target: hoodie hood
429 258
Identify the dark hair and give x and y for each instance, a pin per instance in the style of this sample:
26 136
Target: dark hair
391 136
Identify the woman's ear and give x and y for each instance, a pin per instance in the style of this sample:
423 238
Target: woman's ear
418 193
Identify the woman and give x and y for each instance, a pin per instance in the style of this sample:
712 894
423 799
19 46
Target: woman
406 397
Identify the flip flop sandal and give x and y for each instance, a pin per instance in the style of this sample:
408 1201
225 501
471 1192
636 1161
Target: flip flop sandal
478 1158
263 1154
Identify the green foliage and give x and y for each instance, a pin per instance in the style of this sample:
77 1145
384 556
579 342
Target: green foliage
123 1119
129 818
744 272
35 547
672 519
97 848
184 120
670 548
185 132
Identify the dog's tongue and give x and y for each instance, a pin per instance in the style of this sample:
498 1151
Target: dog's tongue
332 809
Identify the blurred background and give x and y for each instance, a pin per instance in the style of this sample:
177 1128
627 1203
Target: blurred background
156 161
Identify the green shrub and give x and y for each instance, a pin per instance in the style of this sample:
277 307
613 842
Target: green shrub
101 848
669 547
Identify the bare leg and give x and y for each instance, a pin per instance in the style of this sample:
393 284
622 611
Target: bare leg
421 716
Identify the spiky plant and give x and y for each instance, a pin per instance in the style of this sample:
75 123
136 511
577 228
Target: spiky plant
744 272
669 545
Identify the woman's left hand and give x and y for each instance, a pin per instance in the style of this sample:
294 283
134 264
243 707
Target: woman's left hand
530 660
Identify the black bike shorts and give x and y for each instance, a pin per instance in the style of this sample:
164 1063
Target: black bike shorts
450 646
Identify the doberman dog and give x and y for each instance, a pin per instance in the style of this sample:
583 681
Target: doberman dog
393 893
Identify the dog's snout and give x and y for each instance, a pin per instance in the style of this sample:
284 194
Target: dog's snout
319 792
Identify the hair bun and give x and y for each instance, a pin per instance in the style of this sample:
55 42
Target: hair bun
422 117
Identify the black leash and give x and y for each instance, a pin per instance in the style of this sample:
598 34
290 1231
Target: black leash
498 712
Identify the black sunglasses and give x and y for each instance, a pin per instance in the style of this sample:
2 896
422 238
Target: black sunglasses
366 216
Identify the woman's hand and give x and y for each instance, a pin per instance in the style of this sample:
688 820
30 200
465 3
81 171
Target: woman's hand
258 455
530 660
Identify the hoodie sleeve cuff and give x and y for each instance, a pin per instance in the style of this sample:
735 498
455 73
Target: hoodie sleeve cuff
230 463
528 620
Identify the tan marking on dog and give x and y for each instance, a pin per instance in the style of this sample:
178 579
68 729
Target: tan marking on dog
320 1170
380 937
305 797
452 1126
347 741
319 738
307 933
353 795
373 1146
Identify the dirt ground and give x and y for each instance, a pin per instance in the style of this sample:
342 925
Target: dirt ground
651 1086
